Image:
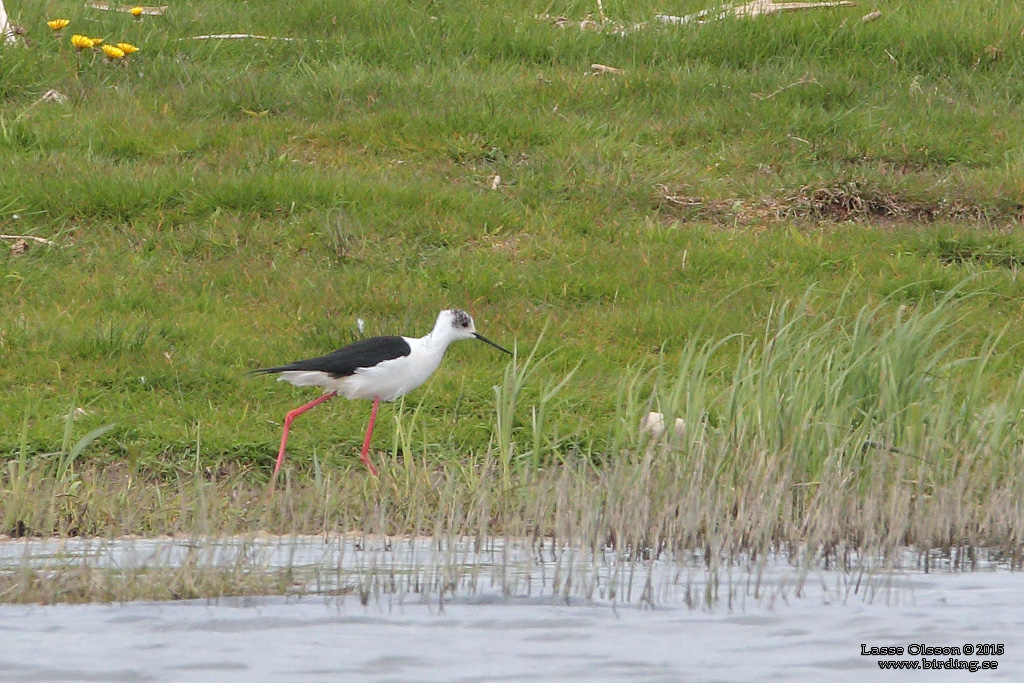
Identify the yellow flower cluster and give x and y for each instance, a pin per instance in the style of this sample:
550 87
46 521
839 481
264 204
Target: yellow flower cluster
136 12
119 52
81 42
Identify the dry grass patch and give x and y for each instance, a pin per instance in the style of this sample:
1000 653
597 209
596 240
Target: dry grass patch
852 201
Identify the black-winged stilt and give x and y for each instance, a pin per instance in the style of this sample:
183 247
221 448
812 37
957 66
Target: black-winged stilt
378 368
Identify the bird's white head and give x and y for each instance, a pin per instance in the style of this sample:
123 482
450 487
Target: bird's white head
455 324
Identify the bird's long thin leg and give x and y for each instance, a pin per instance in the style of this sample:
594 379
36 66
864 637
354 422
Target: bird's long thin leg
288 423
369 432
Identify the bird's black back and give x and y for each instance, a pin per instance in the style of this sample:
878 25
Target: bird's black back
346 360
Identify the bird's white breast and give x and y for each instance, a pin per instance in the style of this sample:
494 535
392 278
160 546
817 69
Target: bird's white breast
394 378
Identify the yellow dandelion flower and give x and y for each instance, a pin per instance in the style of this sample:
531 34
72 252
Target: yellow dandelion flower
58 24
113 52
96 42
127 48
81 42
136 12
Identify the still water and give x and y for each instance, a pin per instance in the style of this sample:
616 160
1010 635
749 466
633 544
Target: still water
505 614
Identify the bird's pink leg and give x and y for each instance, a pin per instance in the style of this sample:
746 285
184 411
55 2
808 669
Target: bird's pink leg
369 432
288 423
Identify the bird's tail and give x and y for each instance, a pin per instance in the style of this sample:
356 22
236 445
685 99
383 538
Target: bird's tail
270 371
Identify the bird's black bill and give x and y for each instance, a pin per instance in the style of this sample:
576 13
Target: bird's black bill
488 341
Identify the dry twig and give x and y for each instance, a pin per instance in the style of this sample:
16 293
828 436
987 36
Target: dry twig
107 7
55 96
751 9
41 240
806 80
235 36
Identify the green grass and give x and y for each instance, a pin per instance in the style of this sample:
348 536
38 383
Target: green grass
837 441
218 206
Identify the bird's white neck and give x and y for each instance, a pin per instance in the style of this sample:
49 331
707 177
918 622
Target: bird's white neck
436 341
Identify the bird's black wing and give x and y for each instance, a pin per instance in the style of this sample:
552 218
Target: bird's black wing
346 360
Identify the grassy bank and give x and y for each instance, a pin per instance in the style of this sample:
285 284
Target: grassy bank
220 205
830 438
